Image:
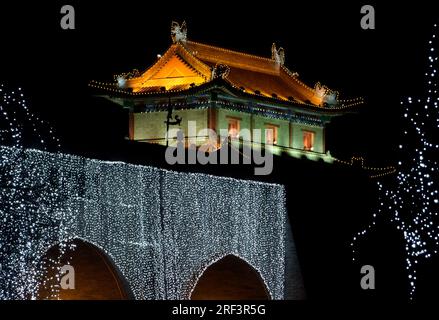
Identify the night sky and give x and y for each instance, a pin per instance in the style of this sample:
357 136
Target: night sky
323 42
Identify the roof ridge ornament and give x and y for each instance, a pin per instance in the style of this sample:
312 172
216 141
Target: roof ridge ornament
220 71
122 78
178 32
278 55
329 97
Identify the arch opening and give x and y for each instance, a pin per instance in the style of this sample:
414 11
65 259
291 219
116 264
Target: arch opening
230 278
96 277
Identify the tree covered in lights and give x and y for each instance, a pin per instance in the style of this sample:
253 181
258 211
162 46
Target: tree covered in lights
29 215
411 201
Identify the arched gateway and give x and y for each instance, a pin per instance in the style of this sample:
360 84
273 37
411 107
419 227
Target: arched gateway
230 278
96 277
160 229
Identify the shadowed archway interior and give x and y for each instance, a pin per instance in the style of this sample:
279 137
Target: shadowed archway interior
96 276
230 278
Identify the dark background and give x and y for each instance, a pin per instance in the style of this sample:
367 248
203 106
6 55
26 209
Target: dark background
323 42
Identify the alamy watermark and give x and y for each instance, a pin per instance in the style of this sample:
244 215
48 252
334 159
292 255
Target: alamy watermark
367 21
368 280
245 144
67 21
68 277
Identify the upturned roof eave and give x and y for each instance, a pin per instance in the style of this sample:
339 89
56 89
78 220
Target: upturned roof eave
113 93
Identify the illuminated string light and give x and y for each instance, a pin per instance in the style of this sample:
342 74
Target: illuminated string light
29 215
374 172
411 202
161 228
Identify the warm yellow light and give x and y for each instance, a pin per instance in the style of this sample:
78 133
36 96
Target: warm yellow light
175 74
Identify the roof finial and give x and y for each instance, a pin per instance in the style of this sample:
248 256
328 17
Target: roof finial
328 96
178 32
220 71
278 55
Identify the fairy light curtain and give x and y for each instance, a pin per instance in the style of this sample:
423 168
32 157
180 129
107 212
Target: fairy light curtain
161 228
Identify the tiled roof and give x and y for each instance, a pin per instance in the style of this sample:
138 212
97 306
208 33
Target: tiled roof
255 74
188 64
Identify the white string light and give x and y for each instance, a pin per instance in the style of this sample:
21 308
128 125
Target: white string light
29 215
161 228
411 202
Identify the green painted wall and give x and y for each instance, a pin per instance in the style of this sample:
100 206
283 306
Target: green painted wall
151 126
223 115
283 129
